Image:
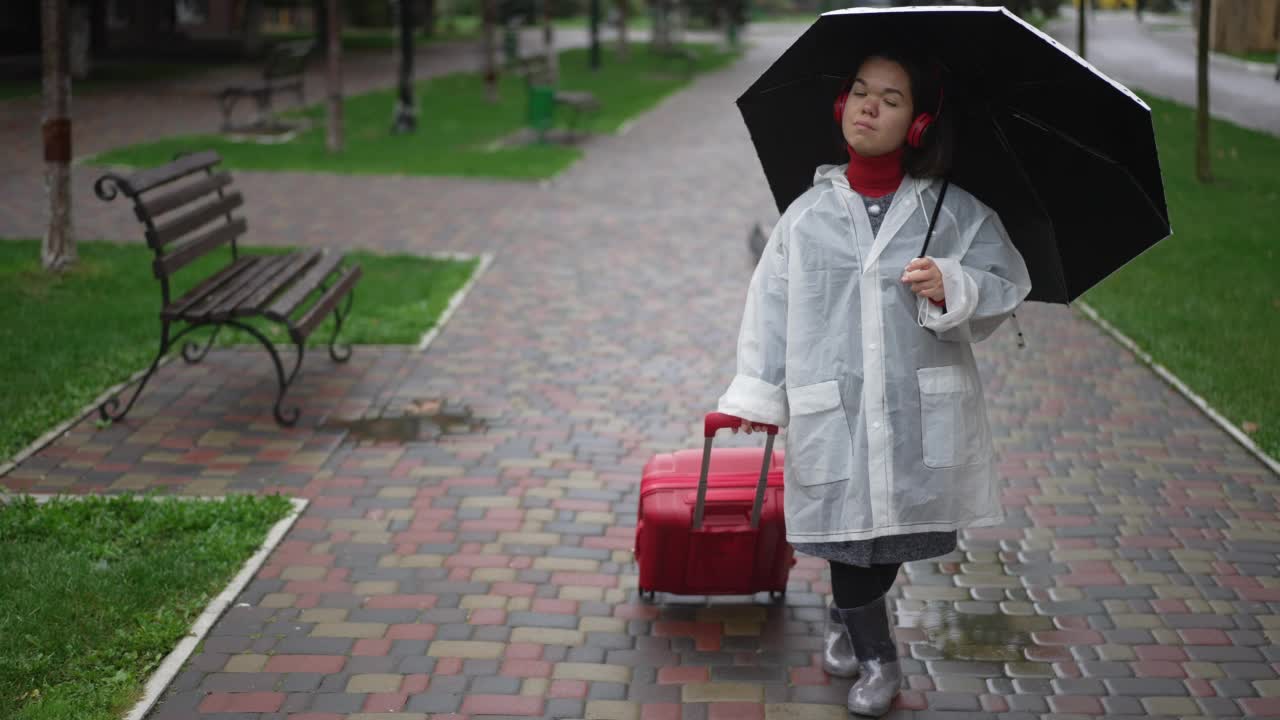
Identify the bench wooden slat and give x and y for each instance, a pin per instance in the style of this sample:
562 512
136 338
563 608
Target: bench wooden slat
160 204
225 305
145 180
176 308
203 310
284 305
195 248
285 275
183 224
316 313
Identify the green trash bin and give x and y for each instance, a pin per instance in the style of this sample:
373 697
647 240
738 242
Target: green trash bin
542 105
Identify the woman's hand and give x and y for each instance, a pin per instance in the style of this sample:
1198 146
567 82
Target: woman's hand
748 427
925 279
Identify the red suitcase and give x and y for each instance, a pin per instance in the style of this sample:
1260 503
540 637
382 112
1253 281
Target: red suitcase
711 522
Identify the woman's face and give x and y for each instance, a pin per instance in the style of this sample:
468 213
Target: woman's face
879 110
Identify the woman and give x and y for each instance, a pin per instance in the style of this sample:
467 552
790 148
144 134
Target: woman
863 350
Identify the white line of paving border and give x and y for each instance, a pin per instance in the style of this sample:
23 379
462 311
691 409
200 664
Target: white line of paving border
486 259
1236 433
174 661
39 443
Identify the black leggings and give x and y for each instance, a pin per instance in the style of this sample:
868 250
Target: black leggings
855 586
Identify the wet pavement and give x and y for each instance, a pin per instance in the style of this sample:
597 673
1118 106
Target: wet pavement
1158 56
467 549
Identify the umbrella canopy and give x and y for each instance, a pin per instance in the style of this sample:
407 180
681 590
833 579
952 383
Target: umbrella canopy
1064 154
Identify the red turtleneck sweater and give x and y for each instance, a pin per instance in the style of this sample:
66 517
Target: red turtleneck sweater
875 176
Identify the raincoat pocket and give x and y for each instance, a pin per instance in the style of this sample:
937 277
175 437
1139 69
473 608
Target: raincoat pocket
819 444
952 424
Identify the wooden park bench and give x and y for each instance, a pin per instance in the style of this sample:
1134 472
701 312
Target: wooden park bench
186 211
536 71
282 72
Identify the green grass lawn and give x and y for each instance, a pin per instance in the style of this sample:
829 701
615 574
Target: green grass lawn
70 337
1266 58
456 124
97 591
464 27
1205 303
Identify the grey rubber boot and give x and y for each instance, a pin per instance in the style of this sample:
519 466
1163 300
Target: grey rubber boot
838 659
873 643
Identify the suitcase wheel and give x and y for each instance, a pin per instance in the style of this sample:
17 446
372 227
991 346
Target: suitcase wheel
652 594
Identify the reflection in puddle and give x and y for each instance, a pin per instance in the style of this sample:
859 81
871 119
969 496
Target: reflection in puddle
966 636
421 420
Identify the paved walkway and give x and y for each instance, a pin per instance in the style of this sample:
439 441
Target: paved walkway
469 554
1158 56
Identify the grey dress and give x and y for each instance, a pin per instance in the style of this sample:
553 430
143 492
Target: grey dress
892 548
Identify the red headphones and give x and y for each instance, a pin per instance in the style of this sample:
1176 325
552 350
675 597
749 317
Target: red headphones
919 127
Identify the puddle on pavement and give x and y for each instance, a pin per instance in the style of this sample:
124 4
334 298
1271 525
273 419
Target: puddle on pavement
419 420
968 636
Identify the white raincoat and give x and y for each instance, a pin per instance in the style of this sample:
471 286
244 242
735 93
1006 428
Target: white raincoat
887 429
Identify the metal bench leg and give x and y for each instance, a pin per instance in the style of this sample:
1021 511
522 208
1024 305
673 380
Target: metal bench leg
227 103
287 419
108 409
189 350
340 353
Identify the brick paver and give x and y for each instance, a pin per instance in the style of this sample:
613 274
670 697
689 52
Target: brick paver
486 571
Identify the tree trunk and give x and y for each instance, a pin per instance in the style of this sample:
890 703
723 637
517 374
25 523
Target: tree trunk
334 136
58 251
594 8
549 43
429 18
1204 172
320 23
253 40
1080 28
406 116
487 46
623 13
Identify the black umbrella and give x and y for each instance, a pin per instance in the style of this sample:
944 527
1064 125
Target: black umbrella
1064 154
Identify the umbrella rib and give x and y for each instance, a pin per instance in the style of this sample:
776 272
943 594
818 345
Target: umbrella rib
1046 127
787 84
1042 125
1017 161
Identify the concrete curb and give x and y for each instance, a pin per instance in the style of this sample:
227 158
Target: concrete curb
1236 433
485 261
177 657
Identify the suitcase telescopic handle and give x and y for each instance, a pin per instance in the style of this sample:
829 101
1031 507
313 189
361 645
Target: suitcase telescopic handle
713 423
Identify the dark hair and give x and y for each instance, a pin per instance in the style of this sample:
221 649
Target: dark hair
933 159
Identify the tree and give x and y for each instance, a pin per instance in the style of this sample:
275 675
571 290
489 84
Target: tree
58 250
548 43
594 7
623 10
487 45
1080 28
406 116
1204 172
333 138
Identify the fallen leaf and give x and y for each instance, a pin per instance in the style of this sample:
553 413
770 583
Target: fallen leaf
1249 427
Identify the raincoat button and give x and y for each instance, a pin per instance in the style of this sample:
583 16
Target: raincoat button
872 346
876 424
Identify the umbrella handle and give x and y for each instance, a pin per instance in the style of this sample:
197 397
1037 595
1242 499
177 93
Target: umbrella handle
942 194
